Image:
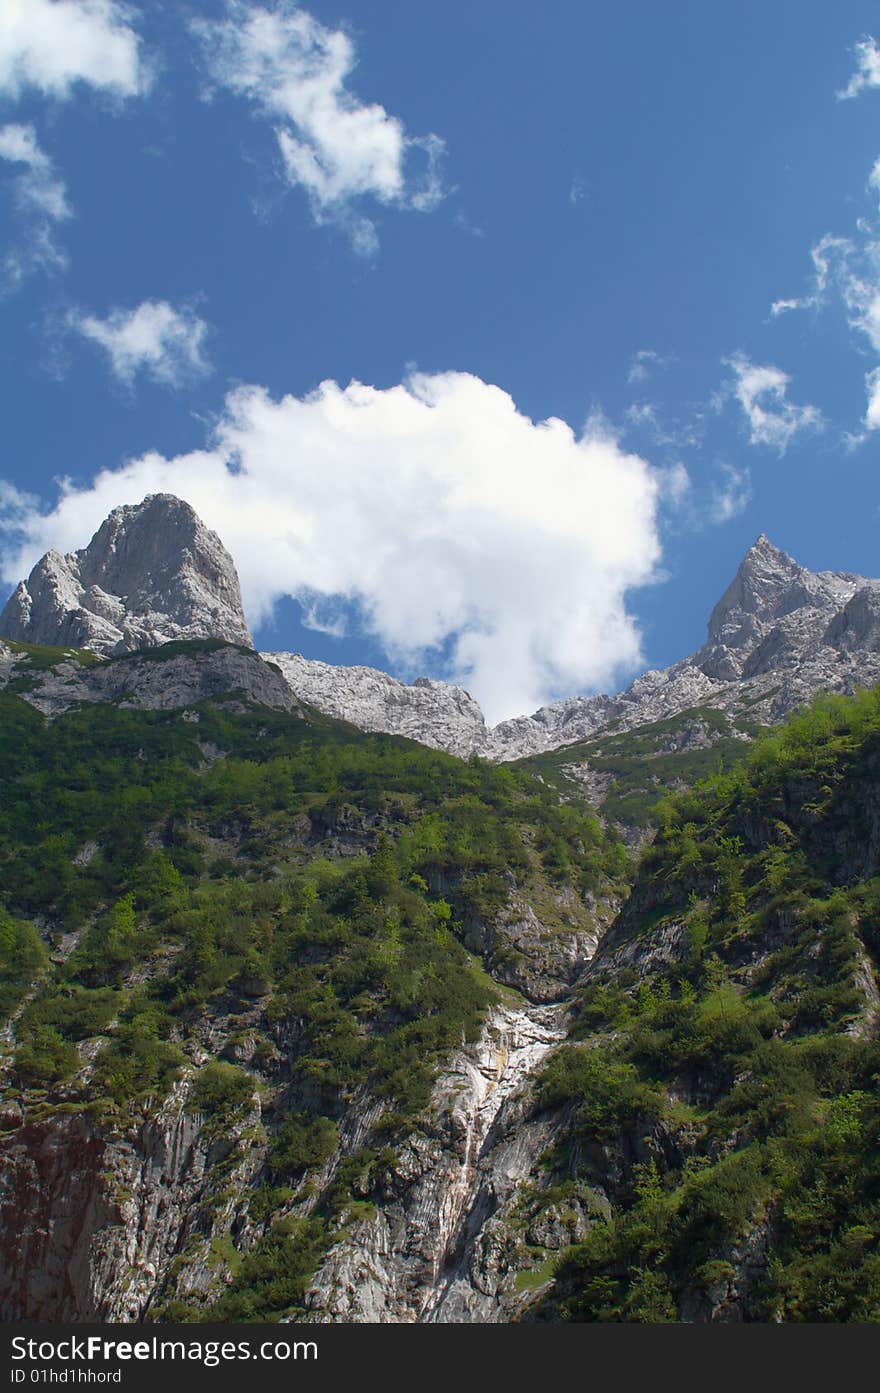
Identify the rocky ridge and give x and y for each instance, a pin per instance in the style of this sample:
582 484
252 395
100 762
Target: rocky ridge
152 573
779 634
162 680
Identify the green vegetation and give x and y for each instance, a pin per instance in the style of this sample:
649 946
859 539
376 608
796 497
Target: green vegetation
22 958
221 1090
737 1081
41 657
304 890
257 907
643 766
179 648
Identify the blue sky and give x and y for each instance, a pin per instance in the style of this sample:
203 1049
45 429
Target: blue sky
490 216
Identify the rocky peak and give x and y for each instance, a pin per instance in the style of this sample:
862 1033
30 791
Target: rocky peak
152 573
778 634
768 586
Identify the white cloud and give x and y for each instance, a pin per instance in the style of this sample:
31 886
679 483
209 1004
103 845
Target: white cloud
51 45
676 483
39 187
825 255
682 434
867 73
40 200
154 338
434 510
872 386
762 394
335 147
850 267
16 506
645 362
731 494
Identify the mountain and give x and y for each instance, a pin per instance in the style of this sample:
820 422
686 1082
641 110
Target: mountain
777 635
437 714
307 1023
152 573
252 961
302 1022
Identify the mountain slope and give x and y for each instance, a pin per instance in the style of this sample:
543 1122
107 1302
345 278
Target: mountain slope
719 1093
308 1022
238 949
298 1021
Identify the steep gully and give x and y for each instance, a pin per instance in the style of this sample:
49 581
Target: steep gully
436 1247
97 1223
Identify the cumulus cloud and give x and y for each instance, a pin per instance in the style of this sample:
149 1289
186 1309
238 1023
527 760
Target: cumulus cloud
154 338
40 201
52 45
731 493
761 391
867 73
338 149
466 538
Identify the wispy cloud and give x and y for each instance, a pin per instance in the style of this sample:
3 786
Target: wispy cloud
646 362
684 434
38 187
339 150
762 393
464 224
155 339
849 269
731 493
867 73
825 255
40 201
51 45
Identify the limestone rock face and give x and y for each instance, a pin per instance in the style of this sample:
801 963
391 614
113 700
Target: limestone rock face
147 682
152 573
438 1247
434 713
778 634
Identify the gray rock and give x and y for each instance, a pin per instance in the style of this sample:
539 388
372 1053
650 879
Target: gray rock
434 713
437 1248
153 573
778 634
150 574
149 682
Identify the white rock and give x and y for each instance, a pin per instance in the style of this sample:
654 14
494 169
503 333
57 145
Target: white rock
778 634
150 574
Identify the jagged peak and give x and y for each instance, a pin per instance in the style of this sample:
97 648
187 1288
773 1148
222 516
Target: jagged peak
768 582
763 552
152 572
